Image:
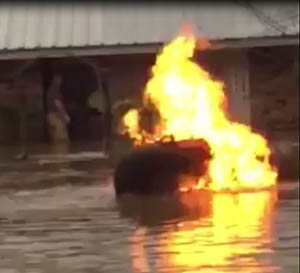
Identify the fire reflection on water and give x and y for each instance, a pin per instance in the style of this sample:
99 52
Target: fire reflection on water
234 237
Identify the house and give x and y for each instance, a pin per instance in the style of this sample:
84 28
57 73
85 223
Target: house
114 45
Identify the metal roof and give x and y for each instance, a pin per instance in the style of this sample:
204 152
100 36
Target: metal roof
36 25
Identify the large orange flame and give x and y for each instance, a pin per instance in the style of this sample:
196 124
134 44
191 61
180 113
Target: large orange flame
191 106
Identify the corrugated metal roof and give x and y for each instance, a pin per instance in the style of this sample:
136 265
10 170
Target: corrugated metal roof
82 24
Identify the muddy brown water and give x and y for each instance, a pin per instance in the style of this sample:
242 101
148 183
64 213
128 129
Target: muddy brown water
58 213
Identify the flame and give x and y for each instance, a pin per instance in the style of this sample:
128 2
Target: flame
191 105
131 119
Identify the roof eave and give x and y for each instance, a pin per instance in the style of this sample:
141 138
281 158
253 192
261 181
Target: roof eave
140 48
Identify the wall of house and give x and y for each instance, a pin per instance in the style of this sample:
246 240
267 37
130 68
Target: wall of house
274 85
230 67
128 76
16 99
272 108
274 82
270 103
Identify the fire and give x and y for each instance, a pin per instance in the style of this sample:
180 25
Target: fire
191 105
131 119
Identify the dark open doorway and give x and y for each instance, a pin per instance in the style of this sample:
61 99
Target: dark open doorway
79 90
81 97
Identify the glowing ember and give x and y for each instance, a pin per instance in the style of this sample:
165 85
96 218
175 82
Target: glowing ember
131 119
191 106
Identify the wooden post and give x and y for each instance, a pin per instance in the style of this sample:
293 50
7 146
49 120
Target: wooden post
238 86
23 108
107 114
101 77
23 129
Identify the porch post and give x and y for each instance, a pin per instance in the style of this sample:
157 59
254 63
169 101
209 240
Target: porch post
238 86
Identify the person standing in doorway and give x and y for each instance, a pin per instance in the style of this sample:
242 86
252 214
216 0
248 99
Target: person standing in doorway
57 117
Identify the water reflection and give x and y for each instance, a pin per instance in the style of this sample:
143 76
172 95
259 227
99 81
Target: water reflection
231 234
154 211
75 226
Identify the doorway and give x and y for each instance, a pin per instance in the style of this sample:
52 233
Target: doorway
81 98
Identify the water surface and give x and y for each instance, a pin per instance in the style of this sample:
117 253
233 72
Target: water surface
76 225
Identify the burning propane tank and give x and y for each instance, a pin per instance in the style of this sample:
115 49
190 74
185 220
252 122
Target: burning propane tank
158 168
191 108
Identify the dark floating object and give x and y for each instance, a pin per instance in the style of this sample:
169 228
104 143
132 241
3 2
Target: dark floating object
155 169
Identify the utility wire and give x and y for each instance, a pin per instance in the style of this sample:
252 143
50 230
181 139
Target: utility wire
266 20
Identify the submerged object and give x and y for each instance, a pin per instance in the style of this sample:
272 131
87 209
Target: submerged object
156 168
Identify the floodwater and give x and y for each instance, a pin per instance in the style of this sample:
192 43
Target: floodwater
58 213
